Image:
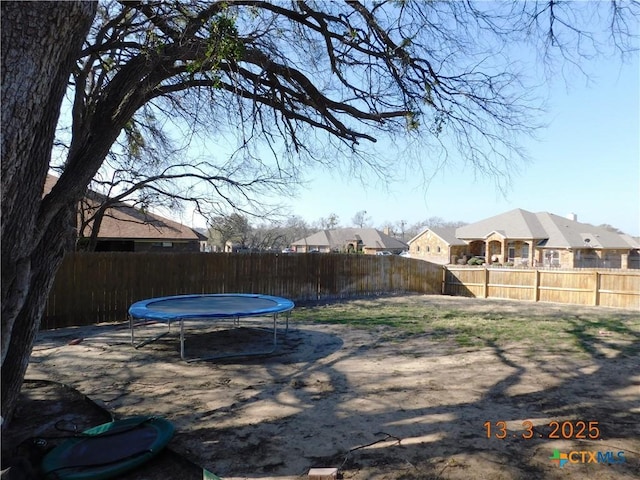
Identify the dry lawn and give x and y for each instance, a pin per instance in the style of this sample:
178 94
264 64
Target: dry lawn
385 388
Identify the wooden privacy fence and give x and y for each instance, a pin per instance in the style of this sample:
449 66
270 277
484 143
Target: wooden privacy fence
99 287
619 288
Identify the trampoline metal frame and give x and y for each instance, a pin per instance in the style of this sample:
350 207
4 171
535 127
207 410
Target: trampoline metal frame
236 323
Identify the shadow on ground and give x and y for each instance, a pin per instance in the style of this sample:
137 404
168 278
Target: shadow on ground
375 403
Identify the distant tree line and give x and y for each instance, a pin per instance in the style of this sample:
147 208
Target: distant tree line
274 235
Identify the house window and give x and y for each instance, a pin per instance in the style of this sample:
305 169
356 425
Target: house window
418 248
162 244
552 258
428 248
525 251
438 249
511 254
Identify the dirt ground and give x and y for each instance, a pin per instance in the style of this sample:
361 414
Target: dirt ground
376 404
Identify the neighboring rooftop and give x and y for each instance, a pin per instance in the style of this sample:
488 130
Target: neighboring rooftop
124 221
448 234
551 230
370 237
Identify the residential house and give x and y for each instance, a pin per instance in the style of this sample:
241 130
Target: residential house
203 238
349 240
523 238
437 245
126 228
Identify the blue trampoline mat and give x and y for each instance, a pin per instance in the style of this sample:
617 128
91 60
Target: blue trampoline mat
209 306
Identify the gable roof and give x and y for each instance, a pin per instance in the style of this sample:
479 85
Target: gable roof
201 233
122 221
552 231
447 234
370 238
566 233
516 223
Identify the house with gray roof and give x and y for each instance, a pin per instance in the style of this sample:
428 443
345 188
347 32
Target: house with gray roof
522 238
349 240
437 245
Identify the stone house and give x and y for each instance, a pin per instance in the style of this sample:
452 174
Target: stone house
437 245
526 239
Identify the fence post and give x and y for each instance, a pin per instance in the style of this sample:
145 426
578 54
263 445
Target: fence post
485 287
536 286
596 289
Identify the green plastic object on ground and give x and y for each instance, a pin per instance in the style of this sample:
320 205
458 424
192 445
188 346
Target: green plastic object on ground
207 475
108 450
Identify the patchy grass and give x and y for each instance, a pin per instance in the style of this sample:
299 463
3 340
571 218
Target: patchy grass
475 324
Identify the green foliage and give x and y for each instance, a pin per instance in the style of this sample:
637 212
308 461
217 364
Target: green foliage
413 123
135 141
223 45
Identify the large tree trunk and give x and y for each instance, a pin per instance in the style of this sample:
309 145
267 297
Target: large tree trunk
40 44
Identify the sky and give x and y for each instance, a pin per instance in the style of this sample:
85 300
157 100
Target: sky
586 162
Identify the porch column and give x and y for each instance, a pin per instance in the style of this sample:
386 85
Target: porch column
530 261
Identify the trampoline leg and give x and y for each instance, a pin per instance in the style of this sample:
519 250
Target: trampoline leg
182 339
275 331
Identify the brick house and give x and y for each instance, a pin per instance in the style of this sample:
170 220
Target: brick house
522 238
127 229
437 245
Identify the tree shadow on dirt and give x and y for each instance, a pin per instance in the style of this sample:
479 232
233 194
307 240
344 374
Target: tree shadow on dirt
380 421
450 440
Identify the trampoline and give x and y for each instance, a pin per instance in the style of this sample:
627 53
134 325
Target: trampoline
180 308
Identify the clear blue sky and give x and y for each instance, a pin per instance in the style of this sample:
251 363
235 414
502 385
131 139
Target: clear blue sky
586 162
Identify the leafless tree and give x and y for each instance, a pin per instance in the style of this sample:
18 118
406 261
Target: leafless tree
232 228
432 222
329 223
361 219
276 235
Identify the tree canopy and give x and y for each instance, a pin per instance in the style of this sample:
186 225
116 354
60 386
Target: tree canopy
284 86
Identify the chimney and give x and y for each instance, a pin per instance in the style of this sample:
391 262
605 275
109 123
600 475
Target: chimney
573 217
386 231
